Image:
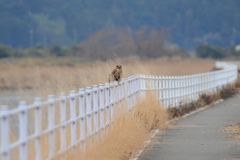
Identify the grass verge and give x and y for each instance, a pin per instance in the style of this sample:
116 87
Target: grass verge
206 99
234 129
128 132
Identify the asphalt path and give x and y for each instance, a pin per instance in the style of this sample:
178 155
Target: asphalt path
199 136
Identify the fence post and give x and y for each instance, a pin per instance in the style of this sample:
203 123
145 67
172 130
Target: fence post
193 83
141 86
101 103
51 120
95 109
155 89
89 113
111 104
202 89
129 93
82 119
171 89
191 88
167 91
153 83
107 104
116 97
188 89
121 93
202 83
164 91
132 93
23 132
216 81
183 89
213 82
5 133
134 89
117 92
174 98
73 117
38 128
159 89
138 87
205 82
198 85
62 120
113 100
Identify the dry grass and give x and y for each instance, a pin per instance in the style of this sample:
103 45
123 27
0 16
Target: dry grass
39 80
234 129
228 92
127 134
205 99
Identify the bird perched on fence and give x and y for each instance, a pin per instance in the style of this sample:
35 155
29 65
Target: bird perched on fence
116 74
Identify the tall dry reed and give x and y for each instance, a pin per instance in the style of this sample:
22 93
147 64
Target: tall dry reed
41 80
127 134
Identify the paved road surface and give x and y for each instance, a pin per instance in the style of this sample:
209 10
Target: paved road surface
199 136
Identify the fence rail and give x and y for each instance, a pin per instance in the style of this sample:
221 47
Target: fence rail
69 121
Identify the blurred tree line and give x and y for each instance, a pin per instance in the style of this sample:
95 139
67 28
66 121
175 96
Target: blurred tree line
25 23
107 44
217 52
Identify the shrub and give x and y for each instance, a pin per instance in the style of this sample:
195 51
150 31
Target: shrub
228 92
56 50
207 51
5 51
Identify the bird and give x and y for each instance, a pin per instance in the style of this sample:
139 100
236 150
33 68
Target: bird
116 74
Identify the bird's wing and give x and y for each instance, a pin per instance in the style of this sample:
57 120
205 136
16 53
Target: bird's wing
118 71
118 74
114 71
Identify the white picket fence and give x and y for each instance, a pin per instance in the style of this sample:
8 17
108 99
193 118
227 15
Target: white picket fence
69 121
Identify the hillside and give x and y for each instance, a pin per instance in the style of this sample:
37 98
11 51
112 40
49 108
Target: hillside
25 23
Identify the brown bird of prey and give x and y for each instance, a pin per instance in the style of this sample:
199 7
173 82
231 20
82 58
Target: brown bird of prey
116 74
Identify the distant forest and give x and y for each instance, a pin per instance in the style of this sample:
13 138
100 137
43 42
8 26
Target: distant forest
189 23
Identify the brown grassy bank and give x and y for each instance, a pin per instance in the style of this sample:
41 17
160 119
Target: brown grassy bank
45 77
206 99
234 129
127 134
